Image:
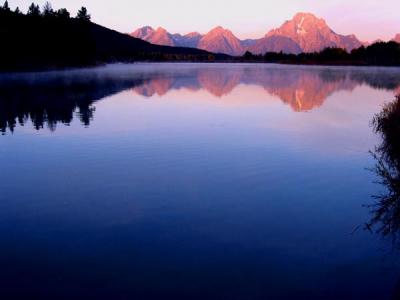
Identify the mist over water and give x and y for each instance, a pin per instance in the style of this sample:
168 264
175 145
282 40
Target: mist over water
197 181
30 96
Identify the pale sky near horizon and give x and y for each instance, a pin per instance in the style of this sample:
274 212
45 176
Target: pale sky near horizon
368 19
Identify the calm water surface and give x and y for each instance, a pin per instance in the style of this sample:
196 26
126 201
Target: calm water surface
192 181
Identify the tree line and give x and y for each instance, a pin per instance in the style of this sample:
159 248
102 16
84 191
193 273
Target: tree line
44 38
379 53
47 11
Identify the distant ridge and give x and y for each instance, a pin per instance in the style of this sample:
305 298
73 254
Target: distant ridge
303 33
161 37
275 43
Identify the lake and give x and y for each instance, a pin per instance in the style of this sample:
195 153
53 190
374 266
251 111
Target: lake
193 181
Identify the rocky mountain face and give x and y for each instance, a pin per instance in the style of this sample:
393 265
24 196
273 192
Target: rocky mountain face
303 33
190 40
248 43
220 40
313 34
397 38
164 38
157 37
143 33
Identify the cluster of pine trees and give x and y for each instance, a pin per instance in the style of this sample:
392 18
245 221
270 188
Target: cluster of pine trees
46 12
44 37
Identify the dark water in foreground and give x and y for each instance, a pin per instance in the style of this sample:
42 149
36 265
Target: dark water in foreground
182 181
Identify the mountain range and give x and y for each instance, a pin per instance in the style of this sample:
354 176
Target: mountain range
305 32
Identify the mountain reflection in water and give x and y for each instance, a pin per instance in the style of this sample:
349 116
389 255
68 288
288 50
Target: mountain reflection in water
49 98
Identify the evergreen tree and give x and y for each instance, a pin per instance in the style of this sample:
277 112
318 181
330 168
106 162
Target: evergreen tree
34 10
48 10
83 14
18 11
6 7
248 55
63 13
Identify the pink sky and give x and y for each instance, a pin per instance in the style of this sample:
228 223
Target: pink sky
368 19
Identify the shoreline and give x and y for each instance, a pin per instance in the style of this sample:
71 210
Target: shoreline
97 65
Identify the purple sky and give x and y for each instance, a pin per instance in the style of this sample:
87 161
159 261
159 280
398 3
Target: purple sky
368 19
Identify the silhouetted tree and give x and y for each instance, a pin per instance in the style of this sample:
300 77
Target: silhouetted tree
18 11
6 6
33 10
83 14
63 13
48 10
248 55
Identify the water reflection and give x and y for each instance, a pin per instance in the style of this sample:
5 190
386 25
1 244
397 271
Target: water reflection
194 174
46 99
386 209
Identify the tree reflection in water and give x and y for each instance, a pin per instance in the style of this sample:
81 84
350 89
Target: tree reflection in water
386 209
